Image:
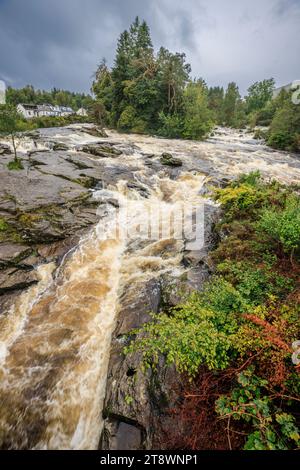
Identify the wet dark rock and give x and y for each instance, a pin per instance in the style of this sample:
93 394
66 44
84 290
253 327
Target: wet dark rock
127 399
104 151
7 300
124 436
137 305
35 134
95 131
148 155
5 149
78 164
60 146
35 151
169 160
13 254
16 279
137 401
13 251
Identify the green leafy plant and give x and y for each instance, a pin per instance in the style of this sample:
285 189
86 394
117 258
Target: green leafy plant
15 165
3 225
282 226
255 284
272 428
197 332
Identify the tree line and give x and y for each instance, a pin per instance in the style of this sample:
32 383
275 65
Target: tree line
153 92
30 95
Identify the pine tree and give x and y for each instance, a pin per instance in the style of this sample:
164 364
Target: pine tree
121 73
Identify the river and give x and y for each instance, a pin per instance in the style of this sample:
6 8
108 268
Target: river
55 340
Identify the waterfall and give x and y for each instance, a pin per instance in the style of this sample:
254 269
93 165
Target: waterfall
55 341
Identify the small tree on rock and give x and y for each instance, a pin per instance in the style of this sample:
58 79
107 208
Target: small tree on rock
11 125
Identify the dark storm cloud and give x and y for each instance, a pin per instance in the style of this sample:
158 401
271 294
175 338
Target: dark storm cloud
60 42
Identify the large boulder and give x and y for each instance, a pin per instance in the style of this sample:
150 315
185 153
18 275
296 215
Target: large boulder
95 131
168 160
100 150
5 149
60 146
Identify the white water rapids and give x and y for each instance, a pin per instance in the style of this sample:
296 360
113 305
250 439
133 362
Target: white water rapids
55 340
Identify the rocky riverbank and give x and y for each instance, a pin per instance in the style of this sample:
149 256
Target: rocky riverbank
73 179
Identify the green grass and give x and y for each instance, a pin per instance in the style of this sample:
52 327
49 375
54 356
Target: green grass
15 165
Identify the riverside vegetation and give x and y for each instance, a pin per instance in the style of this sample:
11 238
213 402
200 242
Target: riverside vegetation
148 92
234 338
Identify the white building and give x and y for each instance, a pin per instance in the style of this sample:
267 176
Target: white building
64 110
279 89
38 110
82 112
28 110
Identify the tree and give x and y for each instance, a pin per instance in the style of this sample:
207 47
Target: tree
102 87
215 102
121 73
30 95
285 127
148 92
231 99
10 125
173 76
259 94
198 120
141 40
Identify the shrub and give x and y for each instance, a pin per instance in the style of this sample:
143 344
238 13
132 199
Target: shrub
127 119
3 225
255 284
282 227
15 165
139 126
280 140
193 334
252 179
272 428
246 315
238 198
171 125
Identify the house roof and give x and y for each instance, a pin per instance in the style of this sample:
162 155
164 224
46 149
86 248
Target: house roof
287 87
28 106
46 107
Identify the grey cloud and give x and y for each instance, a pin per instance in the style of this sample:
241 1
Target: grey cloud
60 42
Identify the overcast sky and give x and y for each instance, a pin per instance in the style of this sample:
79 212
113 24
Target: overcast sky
59 43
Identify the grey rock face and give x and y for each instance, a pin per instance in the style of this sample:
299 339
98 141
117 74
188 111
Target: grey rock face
135 399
